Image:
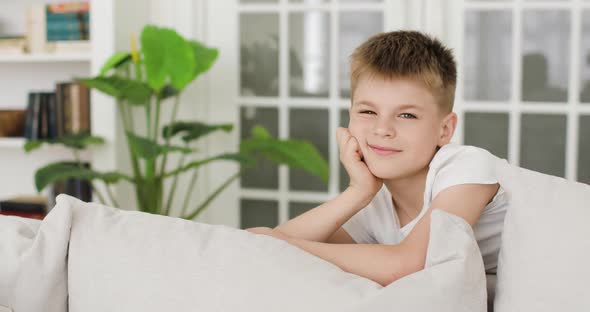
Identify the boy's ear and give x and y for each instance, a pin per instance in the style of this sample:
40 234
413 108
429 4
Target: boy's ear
448 126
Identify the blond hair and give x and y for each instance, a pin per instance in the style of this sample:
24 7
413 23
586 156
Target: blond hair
408 54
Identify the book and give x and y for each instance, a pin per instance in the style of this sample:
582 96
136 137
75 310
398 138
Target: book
30 204
74 99
58 23
12 45
32 119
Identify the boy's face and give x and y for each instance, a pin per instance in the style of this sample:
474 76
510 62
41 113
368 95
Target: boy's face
398 126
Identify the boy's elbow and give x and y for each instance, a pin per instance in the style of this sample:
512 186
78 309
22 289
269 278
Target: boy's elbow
402 264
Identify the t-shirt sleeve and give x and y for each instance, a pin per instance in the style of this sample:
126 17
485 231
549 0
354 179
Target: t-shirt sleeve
357 228
467 165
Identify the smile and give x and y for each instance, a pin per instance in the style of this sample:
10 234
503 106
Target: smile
383 151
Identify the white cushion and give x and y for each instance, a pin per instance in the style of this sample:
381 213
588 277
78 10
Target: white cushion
453 279
131 261
544 261
33 263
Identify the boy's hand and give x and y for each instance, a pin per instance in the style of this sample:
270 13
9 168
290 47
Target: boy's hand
351 157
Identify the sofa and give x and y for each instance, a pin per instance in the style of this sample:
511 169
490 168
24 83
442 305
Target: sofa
90 257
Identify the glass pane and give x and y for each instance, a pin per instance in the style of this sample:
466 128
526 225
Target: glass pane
255 213
296 209
355 28
542 143
259 54
585 58
584 150
545 55
266 173
488 51
344 178
487 130
310 125
309 52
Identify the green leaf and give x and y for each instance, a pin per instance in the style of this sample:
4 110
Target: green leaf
32 145
204 57
61 171
168 57
115 61
192 130
259 132
293 153
147 149
136 92
75 141
167 92
239 157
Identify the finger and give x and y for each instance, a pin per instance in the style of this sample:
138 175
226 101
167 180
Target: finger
339 134
342 139
353 148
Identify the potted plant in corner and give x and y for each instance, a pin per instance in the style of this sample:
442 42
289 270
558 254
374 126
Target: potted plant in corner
144 79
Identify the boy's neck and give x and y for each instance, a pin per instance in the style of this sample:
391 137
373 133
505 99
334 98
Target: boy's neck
408 193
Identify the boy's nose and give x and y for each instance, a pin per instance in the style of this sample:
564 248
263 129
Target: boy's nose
384 131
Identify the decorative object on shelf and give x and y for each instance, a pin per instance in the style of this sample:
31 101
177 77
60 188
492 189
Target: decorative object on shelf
145 80
12 45
24 206
12 123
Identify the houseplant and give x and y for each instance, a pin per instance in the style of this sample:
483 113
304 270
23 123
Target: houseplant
146 79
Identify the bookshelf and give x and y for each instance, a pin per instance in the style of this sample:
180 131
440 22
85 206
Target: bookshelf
40 72
11 142
47 58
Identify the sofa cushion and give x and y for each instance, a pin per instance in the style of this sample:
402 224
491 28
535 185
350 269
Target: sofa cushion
545 252
133 261
33 275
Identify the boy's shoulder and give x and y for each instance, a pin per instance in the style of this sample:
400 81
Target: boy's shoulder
456 164
462 154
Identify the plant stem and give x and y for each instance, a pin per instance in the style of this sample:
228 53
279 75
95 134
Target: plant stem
134 162
111 196
172 119
157 118
98 194
94 189
130 124
173 188
148 118
212 196
188 191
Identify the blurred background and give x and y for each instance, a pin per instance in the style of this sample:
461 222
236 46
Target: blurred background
523 90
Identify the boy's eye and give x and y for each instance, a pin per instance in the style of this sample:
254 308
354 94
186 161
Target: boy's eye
367 112
410 116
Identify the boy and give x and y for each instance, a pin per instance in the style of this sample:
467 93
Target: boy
401 164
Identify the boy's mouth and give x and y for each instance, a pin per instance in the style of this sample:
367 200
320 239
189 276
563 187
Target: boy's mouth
383 150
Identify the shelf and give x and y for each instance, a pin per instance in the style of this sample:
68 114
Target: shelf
46 58
12 142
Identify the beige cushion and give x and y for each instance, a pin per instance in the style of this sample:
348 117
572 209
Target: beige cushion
131 261
33 262
545 254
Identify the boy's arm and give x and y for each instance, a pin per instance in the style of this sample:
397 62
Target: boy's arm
385 264
319 223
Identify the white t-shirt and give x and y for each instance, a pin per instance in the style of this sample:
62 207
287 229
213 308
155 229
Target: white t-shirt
452 164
